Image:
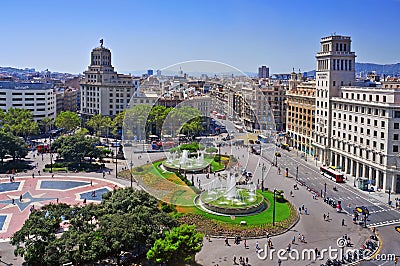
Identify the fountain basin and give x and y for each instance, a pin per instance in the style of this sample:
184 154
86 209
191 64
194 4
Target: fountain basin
219 203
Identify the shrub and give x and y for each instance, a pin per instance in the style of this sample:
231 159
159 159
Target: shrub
168 208
139 169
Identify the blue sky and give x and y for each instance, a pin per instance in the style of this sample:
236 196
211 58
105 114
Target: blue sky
59 35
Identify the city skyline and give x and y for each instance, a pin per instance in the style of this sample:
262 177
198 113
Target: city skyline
154 35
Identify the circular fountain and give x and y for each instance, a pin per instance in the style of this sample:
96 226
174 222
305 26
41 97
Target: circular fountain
223 196
182 161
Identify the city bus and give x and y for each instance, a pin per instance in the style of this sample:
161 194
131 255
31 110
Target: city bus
262 138
328 172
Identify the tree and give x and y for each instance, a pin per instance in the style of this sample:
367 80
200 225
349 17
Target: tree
19 122
180 245
184 119
136 121
98 122
32 240
12 145
45 124
125 220
68 120
75 148
157 117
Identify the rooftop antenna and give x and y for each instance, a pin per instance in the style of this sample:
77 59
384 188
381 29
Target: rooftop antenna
101 42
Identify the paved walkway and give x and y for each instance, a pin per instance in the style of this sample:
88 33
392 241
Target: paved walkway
318 233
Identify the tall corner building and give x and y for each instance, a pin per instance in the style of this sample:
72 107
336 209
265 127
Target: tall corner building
335 68
103 90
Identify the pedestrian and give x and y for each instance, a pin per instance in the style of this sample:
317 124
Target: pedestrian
294 240
234 260
327 217
20 198
291 193
13 201
247 261
257 247
52 175
91 184
104 175
39 172
324 217
342 222
226 241
289 247
300 210
245 243
84 201
33 175
305 211
299 237
57 200
302 207
316 252
303 239
279 262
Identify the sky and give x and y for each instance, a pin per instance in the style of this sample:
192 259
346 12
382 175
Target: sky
282 34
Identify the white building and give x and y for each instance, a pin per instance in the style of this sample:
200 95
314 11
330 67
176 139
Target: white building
36 97
335 68
365 134
103 90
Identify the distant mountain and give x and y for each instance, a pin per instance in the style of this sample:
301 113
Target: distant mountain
388 69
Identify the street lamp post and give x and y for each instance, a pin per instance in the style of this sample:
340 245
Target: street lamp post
297 172
131 164
262 177
325 190
389 201
273 213
116 160
51 155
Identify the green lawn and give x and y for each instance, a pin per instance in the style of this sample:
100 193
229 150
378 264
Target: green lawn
282 213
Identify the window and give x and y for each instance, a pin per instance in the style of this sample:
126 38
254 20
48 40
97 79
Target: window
362 120
334 84
384 99
382 146
375 123
382 135
374 144
395 148
382 123
375 133
395 136
396 114
396 125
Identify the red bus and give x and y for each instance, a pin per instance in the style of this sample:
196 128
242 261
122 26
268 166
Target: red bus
328 172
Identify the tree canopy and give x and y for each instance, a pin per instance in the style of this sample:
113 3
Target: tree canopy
98 123
180 245
19 122
68 120
12 145
125 220
76 147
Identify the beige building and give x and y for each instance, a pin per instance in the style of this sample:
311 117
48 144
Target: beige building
103 90
300 125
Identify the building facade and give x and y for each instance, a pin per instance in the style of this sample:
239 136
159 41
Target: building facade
335 68
263 72
103 90
300 98
36 97
365 135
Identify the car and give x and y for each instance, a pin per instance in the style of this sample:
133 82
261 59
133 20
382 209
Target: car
227 138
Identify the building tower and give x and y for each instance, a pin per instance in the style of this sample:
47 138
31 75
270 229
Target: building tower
335 68
103 90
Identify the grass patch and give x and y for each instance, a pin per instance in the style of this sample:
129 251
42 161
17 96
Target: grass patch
282 213
56 169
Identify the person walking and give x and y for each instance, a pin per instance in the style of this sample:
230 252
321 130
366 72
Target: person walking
324 217
234 260
279 262
327 217
342 222
33 175
245 243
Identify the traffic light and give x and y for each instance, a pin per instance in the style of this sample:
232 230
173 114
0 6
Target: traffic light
287 172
